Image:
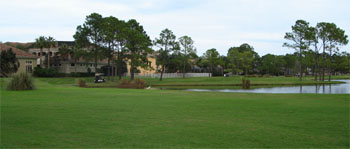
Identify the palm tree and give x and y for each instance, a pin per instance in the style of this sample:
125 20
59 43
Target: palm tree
65 51
40 43
50 42
77 54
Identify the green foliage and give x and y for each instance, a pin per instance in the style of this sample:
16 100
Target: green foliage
90 36
187 47
114 33
22 81
299 38
272 64
212 56
137 46
64 51
44 72
242 58
167 44
8 62
81 74
45 42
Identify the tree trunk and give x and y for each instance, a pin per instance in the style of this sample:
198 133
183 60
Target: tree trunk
324 60
300 67
161 73
232 67
132 72
109 69
75 66
329 65
119 73
48 58
316 59
112 72
183 74
41 55
119 64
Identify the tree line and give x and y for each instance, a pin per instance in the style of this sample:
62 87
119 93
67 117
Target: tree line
121 42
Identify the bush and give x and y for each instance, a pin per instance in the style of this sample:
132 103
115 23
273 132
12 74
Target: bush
266 76
245 84
81 83
252 76
81 74
22 81
44 72
137 83
124 82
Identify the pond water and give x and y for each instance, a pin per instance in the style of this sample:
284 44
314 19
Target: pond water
343 88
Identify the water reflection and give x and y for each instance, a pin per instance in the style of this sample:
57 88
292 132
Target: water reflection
318 89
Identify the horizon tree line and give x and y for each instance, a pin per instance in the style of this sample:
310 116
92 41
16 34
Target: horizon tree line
122 42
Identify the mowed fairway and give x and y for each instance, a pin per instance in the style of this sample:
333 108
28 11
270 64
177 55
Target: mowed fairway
67 116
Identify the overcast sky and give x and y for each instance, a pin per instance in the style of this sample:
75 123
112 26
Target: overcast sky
219 24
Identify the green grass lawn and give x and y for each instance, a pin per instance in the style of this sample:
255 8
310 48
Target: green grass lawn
58 114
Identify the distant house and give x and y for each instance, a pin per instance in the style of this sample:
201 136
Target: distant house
150 70
26 60
65 65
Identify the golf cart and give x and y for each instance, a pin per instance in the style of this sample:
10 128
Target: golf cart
99 78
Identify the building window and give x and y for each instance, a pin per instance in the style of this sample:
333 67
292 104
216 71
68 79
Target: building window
59 65
29 68
29 62
72 64
81 65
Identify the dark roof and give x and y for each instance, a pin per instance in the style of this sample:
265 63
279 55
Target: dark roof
19 53
68 43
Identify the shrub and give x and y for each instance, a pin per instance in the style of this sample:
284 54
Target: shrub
137 83
81 83
44 72
124 82
22 81
245 84
266 76
252 76
81 74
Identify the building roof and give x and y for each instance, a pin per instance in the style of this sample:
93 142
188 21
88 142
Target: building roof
68 43
19 53
25 45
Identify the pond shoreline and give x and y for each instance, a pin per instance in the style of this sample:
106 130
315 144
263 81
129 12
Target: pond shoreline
258 84
221 85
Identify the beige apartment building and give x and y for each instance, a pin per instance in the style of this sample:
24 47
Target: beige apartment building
68 65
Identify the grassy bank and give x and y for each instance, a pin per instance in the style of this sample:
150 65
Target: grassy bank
67 116
204 81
